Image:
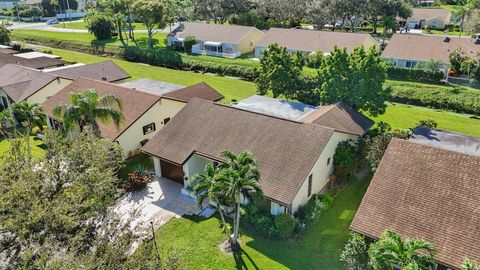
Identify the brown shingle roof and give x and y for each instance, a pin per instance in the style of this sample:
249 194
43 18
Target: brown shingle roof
431 13
37 63
285 150
21 82
104 71
7 51
199 90
135 103
214 32
426 48
340 117
428 193
310 41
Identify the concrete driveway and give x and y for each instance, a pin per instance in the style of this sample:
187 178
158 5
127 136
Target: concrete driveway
159 202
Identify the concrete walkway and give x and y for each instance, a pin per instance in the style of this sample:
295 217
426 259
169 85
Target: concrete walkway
159 202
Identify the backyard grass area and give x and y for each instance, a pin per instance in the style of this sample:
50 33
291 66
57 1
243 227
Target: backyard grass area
318 247
36 145
403 116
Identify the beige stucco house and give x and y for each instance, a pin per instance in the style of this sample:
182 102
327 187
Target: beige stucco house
220 40
435 18
145 113
294 144
308 41
411 50
18 83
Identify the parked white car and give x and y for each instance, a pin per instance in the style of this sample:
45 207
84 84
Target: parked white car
53 21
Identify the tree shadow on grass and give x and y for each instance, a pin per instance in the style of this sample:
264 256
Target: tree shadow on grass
99 45
240 262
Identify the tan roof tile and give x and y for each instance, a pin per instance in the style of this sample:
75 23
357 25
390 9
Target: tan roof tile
106 71
199 90
285 150
215 32
428 193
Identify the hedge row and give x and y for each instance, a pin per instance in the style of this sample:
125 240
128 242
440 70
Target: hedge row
414 75
457 99
171 59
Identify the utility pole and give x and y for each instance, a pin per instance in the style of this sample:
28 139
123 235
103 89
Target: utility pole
159 262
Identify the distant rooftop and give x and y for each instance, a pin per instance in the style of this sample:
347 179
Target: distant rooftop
32 55
63 67
447 140
275 107
152 86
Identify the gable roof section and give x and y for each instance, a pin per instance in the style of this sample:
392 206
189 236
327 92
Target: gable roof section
428 193
19 82
340 117
285 150
431 13
200 90
37 63
135 103
426 48
310 40
106 71
214 32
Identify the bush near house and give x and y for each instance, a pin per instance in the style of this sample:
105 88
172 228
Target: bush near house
285 225
309 212
414 75
260 219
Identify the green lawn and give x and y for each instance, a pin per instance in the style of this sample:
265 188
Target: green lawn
318 247
403 116
81 25
451 33
36 145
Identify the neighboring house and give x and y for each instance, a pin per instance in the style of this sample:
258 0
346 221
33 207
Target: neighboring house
32 55
106 71
36 63
19 83
424 190
435 18
409 50
8 4
309 41
221 40
295 159
145 113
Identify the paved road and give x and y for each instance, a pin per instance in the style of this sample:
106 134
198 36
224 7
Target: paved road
45 27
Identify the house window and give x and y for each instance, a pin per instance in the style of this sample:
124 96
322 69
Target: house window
5 102
310 177
410 64
215 165
328 161
166 120
148 128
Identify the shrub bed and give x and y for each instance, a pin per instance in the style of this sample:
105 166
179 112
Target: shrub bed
414 74
457 99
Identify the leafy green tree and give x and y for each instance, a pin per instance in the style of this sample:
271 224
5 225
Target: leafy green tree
279 72
86 108
355 79
152 14
242 173
345 160
188 43
462 12
211 185
391 249
30 116
355 253
101 26
50 205
431 66
468 264
6 121
429 123
4 35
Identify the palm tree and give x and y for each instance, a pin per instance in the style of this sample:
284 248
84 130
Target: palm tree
86 108
30 116
468 264
243 176
462 12
392 251
213 186
6 121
